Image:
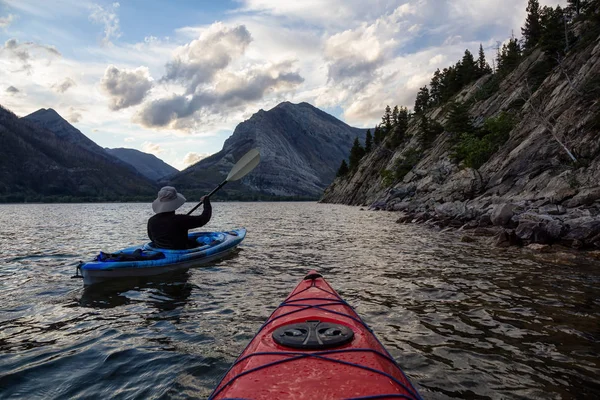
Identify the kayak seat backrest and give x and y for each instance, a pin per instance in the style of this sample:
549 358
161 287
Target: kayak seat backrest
137 255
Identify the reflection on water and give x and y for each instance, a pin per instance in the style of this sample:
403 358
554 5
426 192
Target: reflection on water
463 321
165 292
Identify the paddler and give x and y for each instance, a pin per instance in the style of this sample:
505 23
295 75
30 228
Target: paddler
168 230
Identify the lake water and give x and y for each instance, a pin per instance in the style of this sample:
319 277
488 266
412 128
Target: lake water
463 320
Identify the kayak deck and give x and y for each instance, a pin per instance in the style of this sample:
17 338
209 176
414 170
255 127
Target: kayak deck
314 346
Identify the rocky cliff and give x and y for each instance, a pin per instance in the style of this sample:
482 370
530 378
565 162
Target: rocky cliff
301 149
530 188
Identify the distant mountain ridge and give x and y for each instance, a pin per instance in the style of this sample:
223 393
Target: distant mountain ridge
148 165
44 158
301 149
37 164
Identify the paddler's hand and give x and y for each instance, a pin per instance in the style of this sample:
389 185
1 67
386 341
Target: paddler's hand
205 199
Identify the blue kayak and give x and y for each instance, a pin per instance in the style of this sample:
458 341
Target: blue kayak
147 260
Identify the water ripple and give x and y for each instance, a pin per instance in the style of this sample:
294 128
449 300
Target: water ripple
462 320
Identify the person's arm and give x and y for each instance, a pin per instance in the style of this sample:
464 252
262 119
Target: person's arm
149 231
196 221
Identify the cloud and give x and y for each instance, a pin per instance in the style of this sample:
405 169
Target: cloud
107 17
73 115
151 148
26 52
353 54
64 85
193 158
129 139
232 91
12 90
6 21
356 58
437 59
331 15
126 88
197 62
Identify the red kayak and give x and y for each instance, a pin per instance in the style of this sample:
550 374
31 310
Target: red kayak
314 346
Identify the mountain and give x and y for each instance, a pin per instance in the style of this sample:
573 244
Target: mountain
520 151
53 122
148 165
37 164
301 149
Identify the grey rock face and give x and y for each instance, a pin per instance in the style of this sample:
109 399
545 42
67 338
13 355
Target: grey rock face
529 180
502 214
301 149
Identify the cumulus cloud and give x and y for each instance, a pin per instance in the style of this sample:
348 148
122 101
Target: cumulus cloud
197 62
107 17
26 52
151 148
355 57
12 90
193 158
234 90
73 115
6 21
126 88
353 54
64 85
212 86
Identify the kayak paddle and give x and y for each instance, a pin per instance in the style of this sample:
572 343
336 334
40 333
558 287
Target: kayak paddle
239 170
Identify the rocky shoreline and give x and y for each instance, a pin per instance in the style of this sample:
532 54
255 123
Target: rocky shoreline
575 224
528 193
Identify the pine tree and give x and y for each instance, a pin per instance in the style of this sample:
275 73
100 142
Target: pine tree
467 69
377 136
368 141
459 120
422 100
403 119
356 153
510 57
343 170
449 83
435 94
386 120
499 58
553 40
483 68
395 116
532 31
428 131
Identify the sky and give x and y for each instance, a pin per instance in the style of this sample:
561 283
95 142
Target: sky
174 78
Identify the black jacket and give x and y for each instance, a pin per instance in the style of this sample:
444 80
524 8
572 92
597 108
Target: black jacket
170 231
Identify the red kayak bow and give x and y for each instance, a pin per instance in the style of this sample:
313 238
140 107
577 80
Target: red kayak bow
314 346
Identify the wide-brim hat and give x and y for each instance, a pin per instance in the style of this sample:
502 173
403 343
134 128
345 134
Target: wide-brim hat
168 200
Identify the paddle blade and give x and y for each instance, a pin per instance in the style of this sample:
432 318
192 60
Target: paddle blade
244 166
